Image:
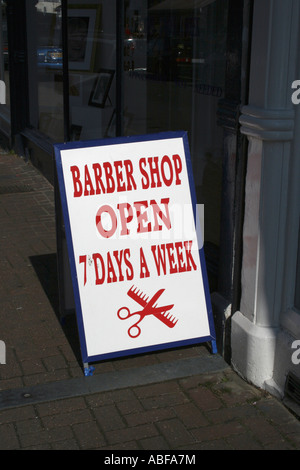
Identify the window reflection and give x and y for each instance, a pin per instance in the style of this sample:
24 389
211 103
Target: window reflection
174 75
45 57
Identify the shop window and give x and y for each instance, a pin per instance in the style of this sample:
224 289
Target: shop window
174 75
169 74
45 67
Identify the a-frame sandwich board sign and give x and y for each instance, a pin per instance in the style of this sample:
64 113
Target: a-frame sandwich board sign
135 246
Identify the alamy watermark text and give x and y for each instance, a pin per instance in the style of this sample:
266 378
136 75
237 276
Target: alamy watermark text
296 94
296 354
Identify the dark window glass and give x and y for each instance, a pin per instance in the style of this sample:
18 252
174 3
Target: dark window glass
174 74
92 69
45 67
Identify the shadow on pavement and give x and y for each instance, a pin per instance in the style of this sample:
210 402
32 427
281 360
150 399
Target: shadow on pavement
46 270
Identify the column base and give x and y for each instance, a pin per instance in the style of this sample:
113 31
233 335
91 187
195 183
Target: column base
253 350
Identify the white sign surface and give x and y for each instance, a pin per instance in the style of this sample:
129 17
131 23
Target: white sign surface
135 250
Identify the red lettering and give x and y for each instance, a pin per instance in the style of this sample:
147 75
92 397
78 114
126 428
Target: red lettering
154 171
174 257
98 178
158 212
106 270
110 182
167 181
118 176
98 258
82 259
129 271
131 184
119 263
170 251
109 210
160 259
126 214
178 167
125 220
181 265
88 183
158 171
144 271
145 180
142 217
120 183
189 259
111 275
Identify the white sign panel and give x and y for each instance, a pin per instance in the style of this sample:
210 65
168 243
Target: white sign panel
134 244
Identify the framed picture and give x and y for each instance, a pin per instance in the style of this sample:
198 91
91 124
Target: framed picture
101 88
82 26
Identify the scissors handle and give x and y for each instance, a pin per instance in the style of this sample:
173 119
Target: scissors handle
134 331
123 313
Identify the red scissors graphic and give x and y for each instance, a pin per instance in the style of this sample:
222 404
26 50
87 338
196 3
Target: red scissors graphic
162 313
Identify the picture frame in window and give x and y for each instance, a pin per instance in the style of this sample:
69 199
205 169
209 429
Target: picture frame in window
83 23
101 88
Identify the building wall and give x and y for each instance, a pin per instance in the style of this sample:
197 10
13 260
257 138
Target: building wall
267 324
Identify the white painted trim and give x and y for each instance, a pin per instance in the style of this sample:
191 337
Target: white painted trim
253 350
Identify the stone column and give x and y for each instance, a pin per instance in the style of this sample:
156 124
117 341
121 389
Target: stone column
268 122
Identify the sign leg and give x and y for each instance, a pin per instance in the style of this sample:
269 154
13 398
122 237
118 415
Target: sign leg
214 347
88 370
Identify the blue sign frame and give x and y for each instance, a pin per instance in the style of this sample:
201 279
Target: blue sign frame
58 148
